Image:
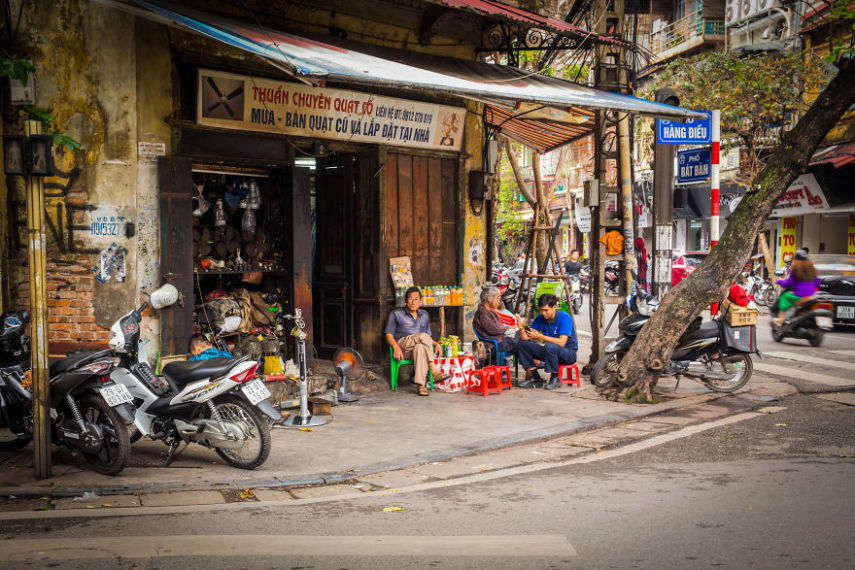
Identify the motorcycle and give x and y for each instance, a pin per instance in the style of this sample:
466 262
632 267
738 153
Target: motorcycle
611 277
708 355
215 403
575 294
761 290
89 412
810 318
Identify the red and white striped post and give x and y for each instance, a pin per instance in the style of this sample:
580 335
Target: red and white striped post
715 176
715 184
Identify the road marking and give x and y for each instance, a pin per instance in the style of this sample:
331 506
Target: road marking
792 373
255 545
358 495
844 352
811 359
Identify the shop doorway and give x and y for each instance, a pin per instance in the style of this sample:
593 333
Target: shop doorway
333 270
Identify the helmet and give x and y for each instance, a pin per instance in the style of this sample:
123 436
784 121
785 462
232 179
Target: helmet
788 258
801 254
164 297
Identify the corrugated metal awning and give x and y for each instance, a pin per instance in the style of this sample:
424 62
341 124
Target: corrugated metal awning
513 96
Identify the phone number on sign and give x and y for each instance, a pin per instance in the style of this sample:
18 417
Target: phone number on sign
104 228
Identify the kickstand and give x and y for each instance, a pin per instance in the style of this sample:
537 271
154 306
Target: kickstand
173 447
677 385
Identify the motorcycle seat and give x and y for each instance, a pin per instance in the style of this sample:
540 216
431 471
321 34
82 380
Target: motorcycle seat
60 365
708 329
179 374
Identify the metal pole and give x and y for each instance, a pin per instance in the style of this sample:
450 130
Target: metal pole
715 177
38 319
663 204
624 153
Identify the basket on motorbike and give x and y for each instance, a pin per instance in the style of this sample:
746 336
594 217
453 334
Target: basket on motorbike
738 316
739 339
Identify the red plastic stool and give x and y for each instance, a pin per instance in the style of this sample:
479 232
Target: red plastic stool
566 373
492 379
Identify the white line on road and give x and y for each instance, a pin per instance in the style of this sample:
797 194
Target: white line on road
799 374
254 545
846 352
811 359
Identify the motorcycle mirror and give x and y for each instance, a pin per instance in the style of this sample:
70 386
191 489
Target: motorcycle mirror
164 296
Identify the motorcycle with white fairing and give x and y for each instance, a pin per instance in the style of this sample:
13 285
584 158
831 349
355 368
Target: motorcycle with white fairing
215 403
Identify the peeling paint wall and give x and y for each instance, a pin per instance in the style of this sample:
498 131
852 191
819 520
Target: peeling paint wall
86 62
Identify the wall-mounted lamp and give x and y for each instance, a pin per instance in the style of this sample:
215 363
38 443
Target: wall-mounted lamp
478 187
24 155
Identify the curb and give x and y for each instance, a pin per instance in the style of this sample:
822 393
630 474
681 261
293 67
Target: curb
336 477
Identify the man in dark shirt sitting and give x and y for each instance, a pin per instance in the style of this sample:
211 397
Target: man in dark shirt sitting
408 333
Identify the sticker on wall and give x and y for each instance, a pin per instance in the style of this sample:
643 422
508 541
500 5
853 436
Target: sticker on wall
476 252
106 224
112 264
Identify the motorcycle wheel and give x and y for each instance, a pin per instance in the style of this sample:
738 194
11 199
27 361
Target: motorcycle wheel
256 447
742 367
604 373
777 335
760 298
11 441
116 446
577 305
816 336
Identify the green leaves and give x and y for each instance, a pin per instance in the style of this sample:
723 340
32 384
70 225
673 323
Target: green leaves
16 68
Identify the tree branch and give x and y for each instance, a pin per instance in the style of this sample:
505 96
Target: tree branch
518 175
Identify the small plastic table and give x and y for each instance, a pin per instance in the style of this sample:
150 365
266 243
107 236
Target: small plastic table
460 368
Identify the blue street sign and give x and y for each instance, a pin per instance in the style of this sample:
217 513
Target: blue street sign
693 165
693 131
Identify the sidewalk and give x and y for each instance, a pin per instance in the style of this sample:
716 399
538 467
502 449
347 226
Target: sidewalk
380 432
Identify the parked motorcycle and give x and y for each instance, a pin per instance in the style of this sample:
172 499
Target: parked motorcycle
761 290
715 354
611 276
215 402
89 412
810 318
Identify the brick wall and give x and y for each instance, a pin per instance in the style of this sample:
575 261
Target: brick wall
71 316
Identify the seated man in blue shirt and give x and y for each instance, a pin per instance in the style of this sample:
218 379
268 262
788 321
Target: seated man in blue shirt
555 330
408 333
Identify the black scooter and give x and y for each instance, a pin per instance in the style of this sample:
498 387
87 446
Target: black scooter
810 318
715 354
89 412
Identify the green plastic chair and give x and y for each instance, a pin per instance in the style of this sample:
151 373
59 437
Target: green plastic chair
397 364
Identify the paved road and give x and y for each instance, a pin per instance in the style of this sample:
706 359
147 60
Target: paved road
769 492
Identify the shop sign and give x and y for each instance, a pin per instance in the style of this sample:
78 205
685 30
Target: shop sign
693 165
247 103
789 234
850 248
583 218
804 196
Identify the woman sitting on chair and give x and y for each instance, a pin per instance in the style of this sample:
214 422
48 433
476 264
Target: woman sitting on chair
487 323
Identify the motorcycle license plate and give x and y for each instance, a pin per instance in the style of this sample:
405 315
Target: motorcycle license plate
824 323
255 391
844 312
116 395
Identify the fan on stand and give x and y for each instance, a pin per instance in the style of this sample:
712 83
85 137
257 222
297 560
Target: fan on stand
347 363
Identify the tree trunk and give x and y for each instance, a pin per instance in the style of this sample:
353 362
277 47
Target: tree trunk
709 283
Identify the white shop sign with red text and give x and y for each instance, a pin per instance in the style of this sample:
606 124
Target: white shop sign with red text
247 103
804 196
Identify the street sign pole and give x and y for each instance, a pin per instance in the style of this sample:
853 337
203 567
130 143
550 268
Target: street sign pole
715 176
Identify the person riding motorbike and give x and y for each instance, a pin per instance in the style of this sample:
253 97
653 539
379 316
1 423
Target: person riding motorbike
573 266
801 282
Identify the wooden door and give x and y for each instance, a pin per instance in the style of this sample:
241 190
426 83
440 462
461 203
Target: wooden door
176 251
334 202
422 216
